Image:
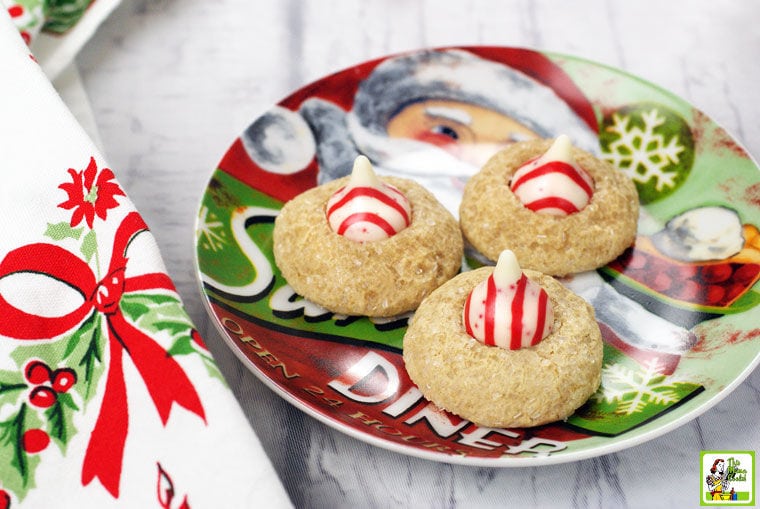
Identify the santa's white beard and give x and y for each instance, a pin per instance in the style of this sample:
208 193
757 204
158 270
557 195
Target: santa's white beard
630 321
432 167
445 175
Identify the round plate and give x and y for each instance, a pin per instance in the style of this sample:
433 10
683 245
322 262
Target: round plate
677 310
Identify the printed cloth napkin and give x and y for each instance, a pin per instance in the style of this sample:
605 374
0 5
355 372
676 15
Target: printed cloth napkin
56 30
108 396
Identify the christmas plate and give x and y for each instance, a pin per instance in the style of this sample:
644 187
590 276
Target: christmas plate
678 310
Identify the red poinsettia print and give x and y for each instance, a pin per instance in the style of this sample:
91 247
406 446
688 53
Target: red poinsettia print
91 193
108 322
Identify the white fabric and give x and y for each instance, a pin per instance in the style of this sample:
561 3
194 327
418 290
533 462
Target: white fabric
212 461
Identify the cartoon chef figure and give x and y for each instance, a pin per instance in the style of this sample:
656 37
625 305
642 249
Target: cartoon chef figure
716 480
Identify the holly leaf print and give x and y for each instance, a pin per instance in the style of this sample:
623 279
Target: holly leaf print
173 326
16 463
185 345
133 310
137 305
82 334
10 391
92 362
59 417
83 353
182 346
63 230
64 14
164 313
157 313
10 436
89 245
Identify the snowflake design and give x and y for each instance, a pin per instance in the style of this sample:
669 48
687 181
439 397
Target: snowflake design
634 389
211 231
644 154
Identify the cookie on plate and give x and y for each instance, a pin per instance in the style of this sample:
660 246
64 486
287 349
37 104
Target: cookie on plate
559 208
502 347
365 245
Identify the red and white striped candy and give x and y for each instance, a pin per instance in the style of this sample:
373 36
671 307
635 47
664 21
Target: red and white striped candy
553 183
367 209
507 309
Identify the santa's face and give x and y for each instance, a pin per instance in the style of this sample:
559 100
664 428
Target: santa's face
469 132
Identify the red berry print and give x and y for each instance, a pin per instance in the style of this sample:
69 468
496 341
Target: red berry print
716 273
5 500
37 373
64 379
689 291
35 440
636 260
15 11
734 291
42 397
656 266
714 295
661 282
682 272
746 273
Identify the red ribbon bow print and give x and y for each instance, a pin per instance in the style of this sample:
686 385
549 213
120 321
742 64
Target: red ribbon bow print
164 378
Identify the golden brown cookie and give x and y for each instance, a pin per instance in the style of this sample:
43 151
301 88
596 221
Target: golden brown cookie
493 218
380 278
493 386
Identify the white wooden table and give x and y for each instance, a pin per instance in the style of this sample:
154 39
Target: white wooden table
172 83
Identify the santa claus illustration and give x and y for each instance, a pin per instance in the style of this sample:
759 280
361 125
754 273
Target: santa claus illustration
436 116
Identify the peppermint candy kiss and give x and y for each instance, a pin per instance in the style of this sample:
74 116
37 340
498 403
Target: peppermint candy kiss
507 309
367 209
553 183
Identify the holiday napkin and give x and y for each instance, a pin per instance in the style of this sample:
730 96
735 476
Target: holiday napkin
108 395
56 30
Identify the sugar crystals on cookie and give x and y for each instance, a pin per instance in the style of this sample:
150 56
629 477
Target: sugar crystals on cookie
367 245
561 209
538 363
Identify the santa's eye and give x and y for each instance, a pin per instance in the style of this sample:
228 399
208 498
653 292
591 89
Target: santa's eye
445 130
